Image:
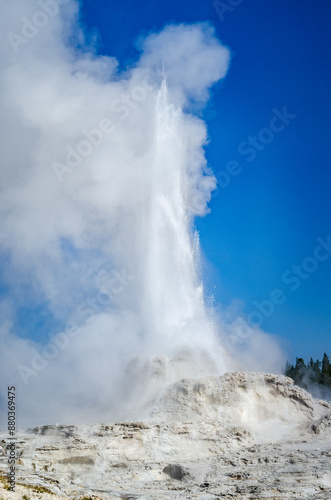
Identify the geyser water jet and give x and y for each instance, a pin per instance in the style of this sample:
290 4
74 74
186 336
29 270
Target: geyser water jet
175 319
173 303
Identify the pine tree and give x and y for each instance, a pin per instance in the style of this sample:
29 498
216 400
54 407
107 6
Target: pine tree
326 371
289 370
299 370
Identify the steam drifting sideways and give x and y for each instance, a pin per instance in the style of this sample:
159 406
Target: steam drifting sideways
103 173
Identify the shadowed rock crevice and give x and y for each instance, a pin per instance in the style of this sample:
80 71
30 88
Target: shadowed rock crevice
175 472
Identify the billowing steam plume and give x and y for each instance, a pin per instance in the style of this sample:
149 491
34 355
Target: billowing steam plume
103 173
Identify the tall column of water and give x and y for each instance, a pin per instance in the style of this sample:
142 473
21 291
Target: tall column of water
173 303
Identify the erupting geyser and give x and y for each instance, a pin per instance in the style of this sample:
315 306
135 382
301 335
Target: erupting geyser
175 319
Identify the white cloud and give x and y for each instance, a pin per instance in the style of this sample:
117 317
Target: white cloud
191 54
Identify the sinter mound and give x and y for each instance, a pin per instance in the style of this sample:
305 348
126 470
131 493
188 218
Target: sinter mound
238 436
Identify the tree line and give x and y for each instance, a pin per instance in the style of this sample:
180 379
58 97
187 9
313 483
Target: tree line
313 374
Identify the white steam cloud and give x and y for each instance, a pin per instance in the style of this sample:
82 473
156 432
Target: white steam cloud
91 228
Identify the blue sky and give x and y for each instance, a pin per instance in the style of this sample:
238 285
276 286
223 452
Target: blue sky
269 216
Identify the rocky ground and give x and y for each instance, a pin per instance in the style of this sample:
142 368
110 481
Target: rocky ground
239 436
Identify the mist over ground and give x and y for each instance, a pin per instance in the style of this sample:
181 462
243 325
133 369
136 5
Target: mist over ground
103 174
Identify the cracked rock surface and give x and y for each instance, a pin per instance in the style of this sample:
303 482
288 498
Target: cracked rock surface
239 436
